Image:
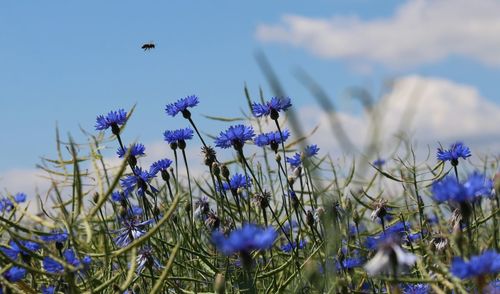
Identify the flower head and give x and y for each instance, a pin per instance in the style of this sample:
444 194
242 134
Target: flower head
449 189
15 249
52 266
20 197
182 105
379 162
234 136
113 119
237 181
296 160
178 137
389 257
272 107
249 237
160 166
272 139
140 180
131 230
146 258
484 264
288 247
48 289
15 274
456 151
55 237
6 205
416 288
135 150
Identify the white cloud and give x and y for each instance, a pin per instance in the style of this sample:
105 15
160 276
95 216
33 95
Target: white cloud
420 31
431 110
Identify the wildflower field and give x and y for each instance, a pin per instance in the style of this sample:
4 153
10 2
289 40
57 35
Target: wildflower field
278 214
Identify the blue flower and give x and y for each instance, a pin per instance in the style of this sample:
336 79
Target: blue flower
249 237
113 120
48 289
296 159
20 197
311 150
484 264
237 181
234 136
272 138
456 151
15 274
136 210
416 288
135 150
146 257
181 105
448 189
349 263
55 237
272 107
478 185
288 247
6 205
70 257
140 180
14 250
160 165
379 162
131 230
52 266
118 196
178 135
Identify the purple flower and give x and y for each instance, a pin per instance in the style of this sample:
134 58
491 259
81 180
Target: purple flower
131 230
272 138
140 180
448 189
20 197
379 162
234 136
160 166
178 137
48 289
288 247
416 288
146 257
55 237
480 265
296 159
456 151
272 107
237 181
135 150
182 105
52 266
113 120
15 274
249 237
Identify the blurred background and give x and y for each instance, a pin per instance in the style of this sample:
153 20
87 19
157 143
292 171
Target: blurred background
426 69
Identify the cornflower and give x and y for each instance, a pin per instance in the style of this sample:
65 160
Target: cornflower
113 119
182 106
235 136
272 107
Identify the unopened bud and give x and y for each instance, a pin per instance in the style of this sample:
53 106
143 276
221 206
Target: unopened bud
278 157
225 171
215 169
96 197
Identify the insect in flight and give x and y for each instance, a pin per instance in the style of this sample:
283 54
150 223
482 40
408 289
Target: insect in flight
148 46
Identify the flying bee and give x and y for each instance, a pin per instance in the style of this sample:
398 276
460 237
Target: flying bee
148 46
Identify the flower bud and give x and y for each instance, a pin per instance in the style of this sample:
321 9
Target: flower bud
215 169
224 171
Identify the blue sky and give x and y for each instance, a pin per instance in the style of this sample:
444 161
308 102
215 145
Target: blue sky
67 62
